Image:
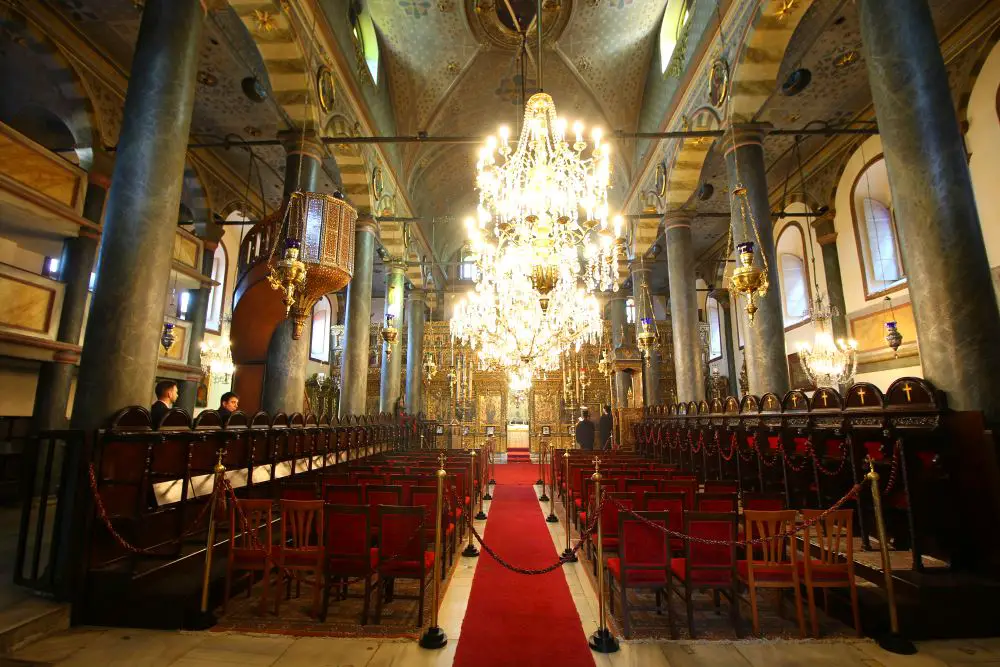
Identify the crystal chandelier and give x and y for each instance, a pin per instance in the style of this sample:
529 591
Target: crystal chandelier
827 362
217 357
519 381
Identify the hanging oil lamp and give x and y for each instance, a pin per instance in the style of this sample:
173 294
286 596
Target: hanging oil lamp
647 338
168 337
289 274
390 332
747 279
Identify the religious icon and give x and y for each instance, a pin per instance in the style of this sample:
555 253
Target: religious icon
326 88
201 398
718 82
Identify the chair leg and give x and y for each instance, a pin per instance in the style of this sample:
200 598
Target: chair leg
318 582
734 610
420 601
277 595
265 588
625 619
670 607
229 581
753 609
798 608
328 583
689 603
379 593
368 595
718 602
854 609
811 598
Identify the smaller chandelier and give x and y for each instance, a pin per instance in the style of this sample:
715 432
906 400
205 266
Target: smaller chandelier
892 337
828 363
747 279
217 359
519 381
390 332
289 274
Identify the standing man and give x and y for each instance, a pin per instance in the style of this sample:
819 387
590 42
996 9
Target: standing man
604 426
228 404
166 396
585 432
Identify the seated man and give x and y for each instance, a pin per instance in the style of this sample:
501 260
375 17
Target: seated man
228 404
166 396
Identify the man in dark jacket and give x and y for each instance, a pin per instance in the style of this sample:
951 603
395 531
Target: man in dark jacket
228 404
604 429
166 396
585 432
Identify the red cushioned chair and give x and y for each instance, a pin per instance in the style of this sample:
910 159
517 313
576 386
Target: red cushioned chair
406 482
335 478
716 502
722 486
830 535
767 502
348 553
250 545
300 551
708 566
609 523
772 563
426 497
641 487
643 562
674 504
659 475
342 494
381 494
402 554
688 487
298 491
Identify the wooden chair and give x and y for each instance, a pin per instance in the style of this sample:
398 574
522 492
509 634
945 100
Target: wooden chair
722 486
643 562
402 553
674 504
688 487
777 565
301 547
641 487
716 502
426 497
609 524
708 566
831 569
250 545
381 494
342 494
347 552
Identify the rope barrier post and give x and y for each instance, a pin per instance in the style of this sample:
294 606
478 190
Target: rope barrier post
219 469
552 518
481 515
486 466
602 641
470 550
493 465
894 641
543 447
568 556
434 637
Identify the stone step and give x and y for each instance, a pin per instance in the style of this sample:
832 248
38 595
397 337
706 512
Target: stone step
28 621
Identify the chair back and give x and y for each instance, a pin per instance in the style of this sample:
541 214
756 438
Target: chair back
301 524
342 494
347 530
298 491
336 478
776 553
688 487
610 511
833 534
256 533
382 494
722 486
656 474
425 497
711 564
405 482
716 502
674 504
641 487
402 535
767 502
642 546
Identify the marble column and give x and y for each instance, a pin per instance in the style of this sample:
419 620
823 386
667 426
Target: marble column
721 296
940 233
198 314
357 322
118 365
641 282
826 237
285 373
767 364
688 367
416 315
55 378
618 318
392 355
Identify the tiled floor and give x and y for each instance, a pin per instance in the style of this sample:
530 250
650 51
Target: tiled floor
92 647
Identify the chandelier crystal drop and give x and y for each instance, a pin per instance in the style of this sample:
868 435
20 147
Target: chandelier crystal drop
828 362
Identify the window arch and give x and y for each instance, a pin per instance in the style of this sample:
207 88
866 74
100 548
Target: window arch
217 295
467 269
630 310
319 337
365 38
675 18
714 329
875 230
794 276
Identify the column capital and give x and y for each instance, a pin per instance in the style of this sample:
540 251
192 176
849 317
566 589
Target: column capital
677 219
366 223
298 142
743 134
721 296
396 267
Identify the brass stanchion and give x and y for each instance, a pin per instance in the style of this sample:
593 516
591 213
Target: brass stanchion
602 640
470 550
481 515
894 641
493 465
568 555
435 637
219 470
486 465
552 518
543 447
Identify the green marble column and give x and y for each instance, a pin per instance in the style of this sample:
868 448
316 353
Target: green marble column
618 317
827 239
118 364
416 315
688 368
392 355
357 322
767 363
940 234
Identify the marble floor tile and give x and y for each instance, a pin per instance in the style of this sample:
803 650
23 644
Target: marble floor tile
61 646
792 654
964 651
135 648
244 650
703 654
882 658
409 654
328 652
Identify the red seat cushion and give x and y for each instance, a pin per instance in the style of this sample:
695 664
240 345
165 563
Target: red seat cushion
406 568
771 574
637 577
699 577
340 564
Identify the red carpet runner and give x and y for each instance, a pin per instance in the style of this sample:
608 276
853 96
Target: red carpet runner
515 619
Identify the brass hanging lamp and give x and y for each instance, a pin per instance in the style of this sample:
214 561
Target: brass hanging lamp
748 279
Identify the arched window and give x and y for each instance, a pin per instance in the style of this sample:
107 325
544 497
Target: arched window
467 269
217 295
793 275
875 230
365 37
714 330
319 339
675 18
630 310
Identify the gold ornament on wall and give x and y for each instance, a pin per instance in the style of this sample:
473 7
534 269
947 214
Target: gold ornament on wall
326 88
